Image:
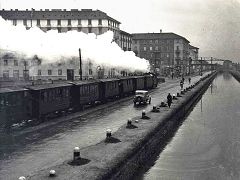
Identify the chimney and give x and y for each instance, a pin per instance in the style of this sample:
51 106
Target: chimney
160 30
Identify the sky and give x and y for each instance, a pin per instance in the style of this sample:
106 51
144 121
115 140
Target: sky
211 25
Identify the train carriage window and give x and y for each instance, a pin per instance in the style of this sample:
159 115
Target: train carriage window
80 90
64 92
61 92
67 92
42 96
45 96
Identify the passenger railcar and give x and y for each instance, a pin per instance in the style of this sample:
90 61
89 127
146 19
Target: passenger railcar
49 98
41 101
139 83
84 93
15 106
109 88
126 85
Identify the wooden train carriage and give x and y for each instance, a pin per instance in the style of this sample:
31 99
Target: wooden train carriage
139 83
50 98
84 93
15 106
109 88
126 85
148 83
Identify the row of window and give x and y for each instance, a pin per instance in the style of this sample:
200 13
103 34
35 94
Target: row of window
100 30
156 48
152 55
15 62
88 90
111 85
59 22
154 41
12 99
54 94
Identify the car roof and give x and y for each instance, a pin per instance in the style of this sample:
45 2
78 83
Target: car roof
141 91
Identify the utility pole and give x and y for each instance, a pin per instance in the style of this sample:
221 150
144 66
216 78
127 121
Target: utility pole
201 66
211 64
80 64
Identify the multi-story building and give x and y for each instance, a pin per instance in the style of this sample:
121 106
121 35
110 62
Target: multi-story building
124 40
85 20
193 58
167 52
14 68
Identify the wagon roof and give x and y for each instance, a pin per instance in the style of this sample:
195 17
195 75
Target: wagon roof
11 89
111 79
48 86
127 77
85 82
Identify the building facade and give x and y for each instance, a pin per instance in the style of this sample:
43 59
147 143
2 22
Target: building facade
167 52
85 20
17 68
193 59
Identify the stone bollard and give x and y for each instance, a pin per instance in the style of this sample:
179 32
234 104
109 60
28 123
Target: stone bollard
108 133
76 153
22 178
174 97
52 173
143 113
129 122
163 104
155 109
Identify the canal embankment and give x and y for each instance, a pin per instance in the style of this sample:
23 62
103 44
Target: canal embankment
236 75
120 156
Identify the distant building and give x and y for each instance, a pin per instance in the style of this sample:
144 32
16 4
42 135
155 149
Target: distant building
193 58
124 40
167 52
85 20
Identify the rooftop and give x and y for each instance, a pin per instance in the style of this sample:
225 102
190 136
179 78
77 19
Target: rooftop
192 47
157 35
54 14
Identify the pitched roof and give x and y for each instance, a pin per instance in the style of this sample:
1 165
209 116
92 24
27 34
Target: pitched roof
157 35
192 47
48 86
55 14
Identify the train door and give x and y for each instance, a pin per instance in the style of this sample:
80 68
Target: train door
70 74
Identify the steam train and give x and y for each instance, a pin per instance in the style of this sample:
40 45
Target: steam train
35 103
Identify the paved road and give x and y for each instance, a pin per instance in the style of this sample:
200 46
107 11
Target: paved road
52 145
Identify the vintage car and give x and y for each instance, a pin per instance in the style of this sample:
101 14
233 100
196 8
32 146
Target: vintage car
141 97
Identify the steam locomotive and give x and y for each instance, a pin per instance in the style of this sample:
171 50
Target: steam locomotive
36 103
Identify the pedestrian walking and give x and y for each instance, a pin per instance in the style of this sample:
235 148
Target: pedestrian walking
181 84
189 80
183 79
169 100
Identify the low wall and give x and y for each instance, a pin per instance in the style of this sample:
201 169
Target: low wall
236 75
129 149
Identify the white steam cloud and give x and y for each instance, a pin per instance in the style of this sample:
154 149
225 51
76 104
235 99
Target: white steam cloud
53 46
